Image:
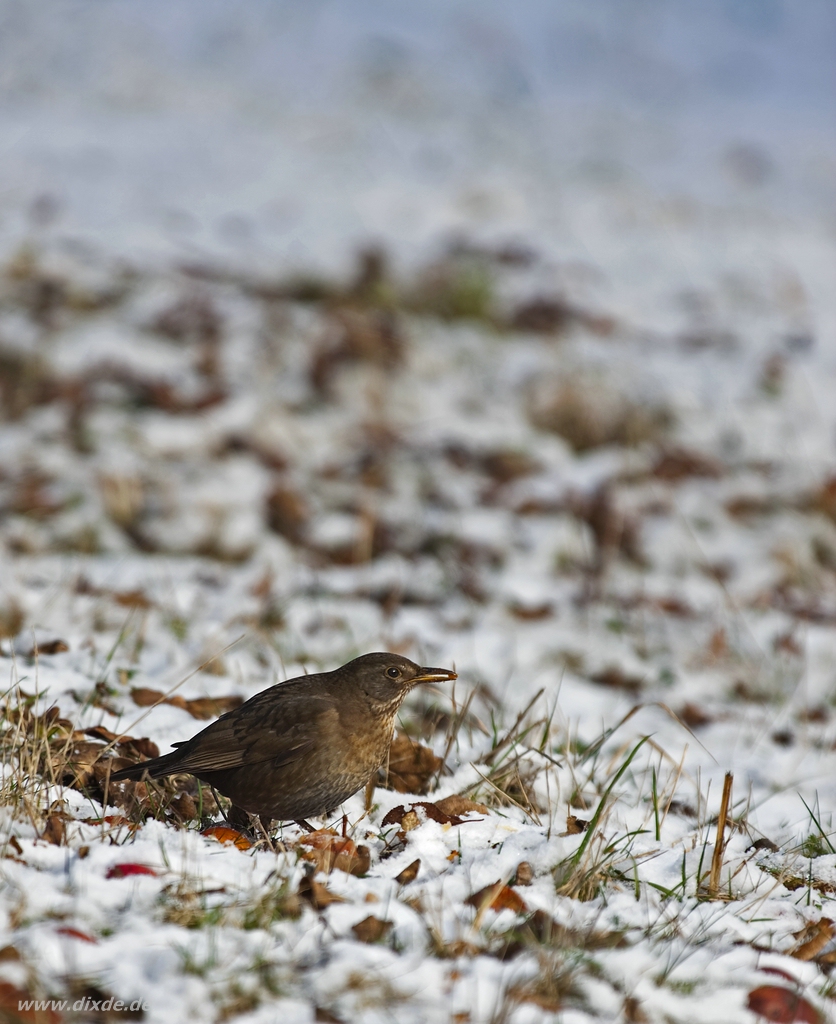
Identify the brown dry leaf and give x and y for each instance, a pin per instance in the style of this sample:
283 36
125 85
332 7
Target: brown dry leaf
199 707
54 831
617 679
675 464
410 816
409 873
411 765
328 851
371 929
776 1003
813 939
497 897
211 707
524 874
633 1012
226 835
145 698
288 514
184 807
132 598
50 647
574 826
456 804
694 716
531 612
318 895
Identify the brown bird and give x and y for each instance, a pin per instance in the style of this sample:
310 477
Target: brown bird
300 748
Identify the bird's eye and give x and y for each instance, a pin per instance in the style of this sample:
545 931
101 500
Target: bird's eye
393 672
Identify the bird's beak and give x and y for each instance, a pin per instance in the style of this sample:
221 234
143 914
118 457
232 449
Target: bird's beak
435 675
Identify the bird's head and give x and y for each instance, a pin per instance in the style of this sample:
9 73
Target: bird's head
388 678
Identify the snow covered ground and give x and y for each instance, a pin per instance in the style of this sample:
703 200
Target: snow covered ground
504 339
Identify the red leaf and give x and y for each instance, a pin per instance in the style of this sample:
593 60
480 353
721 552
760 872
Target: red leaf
123 870
776 1003
74 933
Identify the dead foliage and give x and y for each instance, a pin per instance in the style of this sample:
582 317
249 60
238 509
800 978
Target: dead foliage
225 835
11 620
47 750
328 851
497 896
410 816
531 612
551 989
541 930
589 415
575 825
355 336
409 873
524 875
546 314
615 678
614 531
412 766
694 716
317 894
288 513
813 939
676 464
823 499
371 929
201 708
780 1004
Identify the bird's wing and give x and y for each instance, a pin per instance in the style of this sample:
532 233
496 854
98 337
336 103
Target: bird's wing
265 728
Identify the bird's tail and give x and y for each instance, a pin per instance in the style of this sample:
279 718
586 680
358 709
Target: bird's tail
156 767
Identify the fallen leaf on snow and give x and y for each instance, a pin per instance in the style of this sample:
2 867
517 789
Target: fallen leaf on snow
410 816
371 929
574 826
456 804
409 873
813 939
318 895
199 707
226 835
497 897
127 869
411 765
54 831
779 1004
74 933
328 851
524 874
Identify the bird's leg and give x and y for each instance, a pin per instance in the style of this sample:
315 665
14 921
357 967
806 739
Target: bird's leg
306 825
370 786
345 824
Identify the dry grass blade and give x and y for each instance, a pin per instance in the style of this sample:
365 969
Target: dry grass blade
720 842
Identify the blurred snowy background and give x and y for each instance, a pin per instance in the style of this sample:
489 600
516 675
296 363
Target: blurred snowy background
280 132
499 334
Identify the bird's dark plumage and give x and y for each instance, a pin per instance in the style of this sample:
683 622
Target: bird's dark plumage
300 748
